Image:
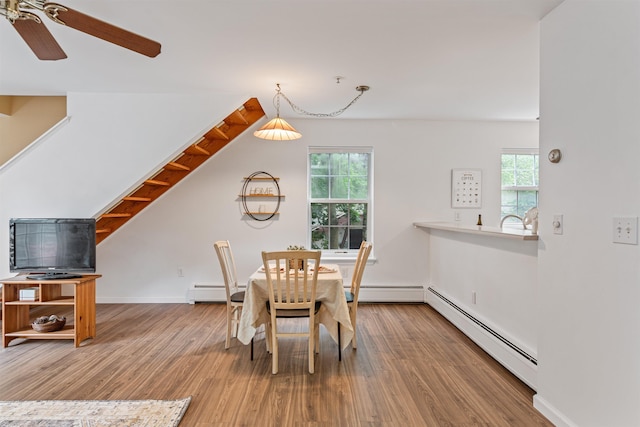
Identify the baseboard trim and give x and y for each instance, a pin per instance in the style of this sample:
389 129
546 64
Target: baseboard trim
551 413
384 294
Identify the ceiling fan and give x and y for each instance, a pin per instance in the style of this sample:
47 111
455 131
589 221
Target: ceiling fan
44 45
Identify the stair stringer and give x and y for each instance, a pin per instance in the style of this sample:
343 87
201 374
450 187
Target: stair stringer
164 178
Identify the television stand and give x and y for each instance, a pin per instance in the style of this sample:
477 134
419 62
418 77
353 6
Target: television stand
53 276
16 314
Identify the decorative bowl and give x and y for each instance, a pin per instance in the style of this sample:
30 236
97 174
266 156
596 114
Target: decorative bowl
49 323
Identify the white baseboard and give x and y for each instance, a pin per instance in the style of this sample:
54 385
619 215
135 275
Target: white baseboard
391 294
521 367
551 413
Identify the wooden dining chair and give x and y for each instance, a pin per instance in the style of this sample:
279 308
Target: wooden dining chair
292 294
353 293
235 297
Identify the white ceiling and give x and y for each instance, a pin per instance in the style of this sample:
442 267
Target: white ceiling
434 59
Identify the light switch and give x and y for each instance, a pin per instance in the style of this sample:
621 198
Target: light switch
558 224
625 230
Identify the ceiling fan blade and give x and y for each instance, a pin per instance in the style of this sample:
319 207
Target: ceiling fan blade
102 30
39 39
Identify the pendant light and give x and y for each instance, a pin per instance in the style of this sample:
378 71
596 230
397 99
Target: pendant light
278 129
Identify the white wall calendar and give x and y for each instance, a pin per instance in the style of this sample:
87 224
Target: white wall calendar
466 188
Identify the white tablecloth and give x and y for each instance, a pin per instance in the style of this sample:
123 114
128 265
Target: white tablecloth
330 291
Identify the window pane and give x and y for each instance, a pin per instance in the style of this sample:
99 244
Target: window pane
339 164
526 200
337 214
320 238
508 178
525 177
357 214
510 198
319 164
319 214
319 187
339 187
508 161
359 164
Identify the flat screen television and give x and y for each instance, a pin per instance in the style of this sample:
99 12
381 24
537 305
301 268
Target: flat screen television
52 248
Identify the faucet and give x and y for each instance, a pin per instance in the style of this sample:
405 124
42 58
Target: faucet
513 216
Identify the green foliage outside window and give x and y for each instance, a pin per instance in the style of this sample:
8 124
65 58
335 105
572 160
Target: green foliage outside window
520 173
339 188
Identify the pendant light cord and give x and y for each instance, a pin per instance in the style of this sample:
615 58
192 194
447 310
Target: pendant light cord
294 107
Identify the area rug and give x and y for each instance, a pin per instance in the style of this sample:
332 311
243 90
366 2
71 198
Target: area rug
93 413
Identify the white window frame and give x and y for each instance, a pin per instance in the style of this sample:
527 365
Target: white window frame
341 254
518 151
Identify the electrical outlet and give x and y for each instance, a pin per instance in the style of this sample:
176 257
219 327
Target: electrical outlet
456 216
474 299
625 230
180 272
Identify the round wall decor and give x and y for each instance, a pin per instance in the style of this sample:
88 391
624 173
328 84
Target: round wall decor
261 189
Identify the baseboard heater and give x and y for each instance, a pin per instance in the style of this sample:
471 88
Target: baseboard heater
488 329
215 292
206 292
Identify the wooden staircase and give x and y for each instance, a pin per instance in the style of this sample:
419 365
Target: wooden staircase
171 173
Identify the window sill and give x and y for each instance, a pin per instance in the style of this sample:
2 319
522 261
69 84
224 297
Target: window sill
345 260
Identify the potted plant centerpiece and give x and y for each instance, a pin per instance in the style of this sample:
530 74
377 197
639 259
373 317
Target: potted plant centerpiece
300 262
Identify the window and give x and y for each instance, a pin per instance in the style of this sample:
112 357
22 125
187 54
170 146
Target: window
519 182
340 202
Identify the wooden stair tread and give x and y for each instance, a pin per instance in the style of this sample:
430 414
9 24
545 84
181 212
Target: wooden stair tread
115 215
174 166
156 182
196 150
137 199
216 133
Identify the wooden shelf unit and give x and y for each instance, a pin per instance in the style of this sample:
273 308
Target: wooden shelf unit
16 321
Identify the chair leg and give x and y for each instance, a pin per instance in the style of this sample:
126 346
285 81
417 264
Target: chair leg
354 341
237 312
227 343
274 347
251 348
312 337
339 345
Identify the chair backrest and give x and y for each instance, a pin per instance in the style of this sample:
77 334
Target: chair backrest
228 266
358 269
295 287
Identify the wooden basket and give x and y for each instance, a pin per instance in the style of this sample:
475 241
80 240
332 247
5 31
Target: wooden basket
52 326
293 266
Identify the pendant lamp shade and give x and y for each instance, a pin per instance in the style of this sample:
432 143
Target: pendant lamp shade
277 130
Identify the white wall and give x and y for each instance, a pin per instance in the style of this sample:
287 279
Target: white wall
588 344
413 161
495 280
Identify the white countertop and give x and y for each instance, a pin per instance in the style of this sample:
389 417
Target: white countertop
506 232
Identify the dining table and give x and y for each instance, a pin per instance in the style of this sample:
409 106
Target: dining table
333 311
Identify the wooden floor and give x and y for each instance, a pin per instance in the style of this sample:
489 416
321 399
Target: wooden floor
411 368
